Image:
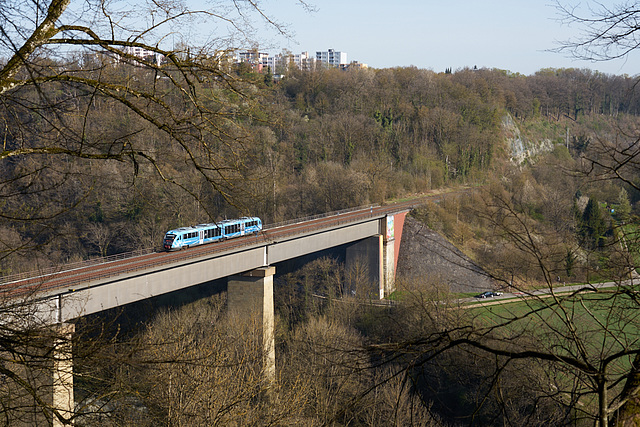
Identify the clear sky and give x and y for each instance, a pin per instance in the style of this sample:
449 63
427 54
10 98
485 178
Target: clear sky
514 35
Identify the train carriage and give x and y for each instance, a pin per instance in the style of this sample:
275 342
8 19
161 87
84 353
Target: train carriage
185 237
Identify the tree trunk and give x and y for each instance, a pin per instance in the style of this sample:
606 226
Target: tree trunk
629 412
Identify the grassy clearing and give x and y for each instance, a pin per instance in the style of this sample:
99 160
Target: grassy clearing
603 323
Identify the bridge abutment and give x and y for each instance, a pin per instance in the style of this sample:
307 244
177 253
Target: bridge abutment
388 284
363 262
250 296
378 256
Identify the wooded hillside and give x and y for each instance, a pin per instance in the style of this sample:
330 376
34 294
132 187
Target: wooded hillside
313 142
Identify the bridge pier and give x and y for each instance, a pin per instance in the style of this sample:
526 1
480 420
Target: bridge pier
41 390
62 397
250 296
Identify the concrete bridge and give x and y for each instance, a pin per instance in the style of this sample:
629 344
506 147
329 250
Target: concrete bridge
371 235
372 238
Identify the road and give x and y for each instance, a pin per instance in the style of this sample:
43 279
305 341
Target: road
543 293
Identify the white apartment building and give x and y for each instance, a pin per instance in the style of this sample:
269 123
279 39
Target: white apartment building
144 54
253 57
281 62
332 58
274 63
304 61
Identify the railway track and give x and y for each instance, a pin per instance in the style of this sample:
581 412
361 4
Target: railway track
73 276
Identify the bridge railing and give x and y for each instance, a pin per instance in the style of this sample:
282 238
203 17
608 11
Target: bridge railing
48 271
318 216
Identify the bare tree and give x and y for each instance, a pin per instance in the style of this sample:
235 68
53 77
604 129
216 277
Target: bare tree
148 89
581 340
95 93
608 31
196 365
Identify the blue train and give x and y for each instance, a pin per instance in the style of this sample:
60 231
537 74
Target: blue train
185 237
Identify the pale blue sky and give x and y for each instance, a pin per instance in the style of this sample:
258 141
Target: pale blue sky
508 34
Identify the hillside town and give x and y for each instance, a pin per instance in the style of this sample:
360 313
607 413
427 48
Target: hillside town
263 61
304 61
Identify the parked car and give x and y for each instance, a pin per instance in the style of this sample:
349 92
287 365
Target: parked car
488 294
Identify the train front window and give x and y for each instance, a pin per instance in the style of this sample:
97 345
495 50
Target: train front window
168 241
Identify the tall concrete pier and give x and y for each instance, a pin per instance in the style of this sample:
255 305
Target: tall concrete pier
38 387
250 296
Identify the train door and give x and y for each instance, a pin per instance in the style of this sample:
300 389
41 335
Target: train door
201 236
242 228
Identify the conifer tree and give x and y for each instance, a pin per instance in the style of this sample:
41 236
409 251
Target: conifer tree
593 225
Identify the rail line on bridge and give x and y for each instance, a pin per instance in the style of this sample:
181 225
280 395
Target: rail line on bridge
68 276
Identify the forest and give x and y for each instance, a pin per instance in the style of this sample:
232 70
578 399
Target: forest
313 143
104 151
328 140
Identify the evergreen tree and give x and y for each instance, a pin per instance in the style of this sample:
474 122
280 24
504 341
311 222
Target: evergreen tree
593 225
268 77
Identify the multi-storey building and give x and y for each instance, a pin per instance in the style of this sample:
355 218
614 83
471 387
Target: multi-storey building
332 58
278 63
254 58
281 62
144 54
304 62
